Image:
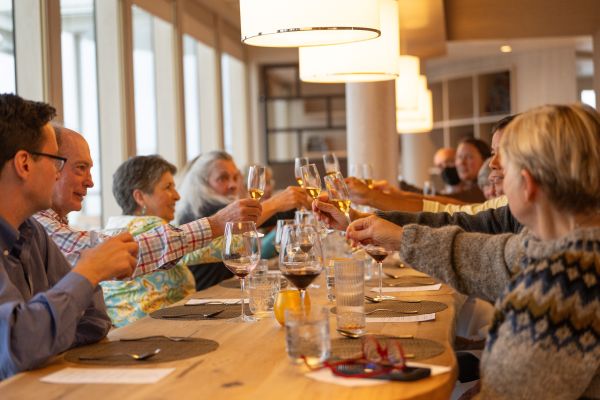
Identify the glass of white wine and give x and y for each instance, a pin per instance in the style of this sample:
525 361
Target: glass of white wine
367 175
311 181
331 163
281 223
256 181
338 193
299 162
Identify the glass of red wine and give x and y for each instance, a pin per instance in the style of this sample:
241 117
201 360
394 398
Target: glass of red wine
300 256
378 253
241 253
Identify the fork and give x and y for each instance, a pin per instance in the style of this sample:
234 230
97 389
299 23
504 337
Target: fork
171 338
208 315
135 356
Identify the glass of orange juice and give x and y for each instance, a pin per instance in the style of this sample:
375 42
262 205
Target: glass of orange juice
288 299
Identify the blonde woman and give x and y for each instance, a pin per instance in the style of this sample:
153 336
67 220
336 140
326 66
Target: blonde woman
545 338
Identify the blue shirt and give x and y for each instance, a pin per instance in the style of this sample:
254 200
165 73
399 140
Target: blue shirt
45 308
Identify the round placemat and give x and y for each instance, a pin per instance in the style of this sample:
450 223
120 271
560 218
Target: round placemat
405 281
115 353
197 312
414 349
402 308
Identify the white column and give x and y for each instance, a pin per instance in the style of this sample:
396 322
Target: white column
596 55
417 158
371 127
29 50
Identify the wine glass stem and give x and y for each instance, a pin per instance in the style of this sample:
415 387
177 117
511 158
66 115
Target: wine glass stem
243 286
380 267
302 295
348 218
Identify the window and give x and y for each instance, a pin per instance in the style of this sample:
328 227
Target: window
7 48
143 82
235 123
201 112
588 97
80 94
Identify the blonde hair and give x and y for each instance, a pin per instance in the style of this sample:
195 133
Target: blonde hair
560 147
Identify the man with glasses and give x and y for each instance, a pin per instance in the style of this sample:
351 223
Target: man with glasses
161 247
45 306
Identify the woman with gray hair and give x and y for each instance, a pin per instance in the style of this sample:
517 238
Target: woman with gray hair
145 189
213 181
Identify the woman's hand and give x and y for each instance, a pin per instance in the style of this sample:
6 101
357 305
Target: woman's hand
359 192
375 230
326 212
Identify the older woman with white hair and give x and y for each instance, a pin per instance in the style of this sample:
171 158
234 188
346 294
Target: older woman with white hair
545 338
211 182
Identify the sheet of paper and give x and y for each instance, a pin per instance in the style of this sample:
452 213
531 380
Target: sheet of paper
325 375
408 318
195 302
409 288
108 375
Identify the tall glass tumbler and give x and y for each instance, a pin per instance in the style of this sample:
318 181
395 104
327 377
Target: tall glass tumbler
350 295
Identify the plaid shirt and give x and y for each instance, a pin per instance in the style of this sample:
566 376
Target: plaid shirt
161 247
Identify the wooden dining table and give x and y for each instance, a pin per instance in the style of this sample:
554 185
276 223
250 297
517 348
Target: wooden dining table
251 360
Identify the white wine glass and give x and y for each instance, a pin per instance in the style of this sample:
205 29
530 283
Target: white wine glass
241 253
299 162
281 223
331 163
311 181
367 174
338 193
300 256
257 180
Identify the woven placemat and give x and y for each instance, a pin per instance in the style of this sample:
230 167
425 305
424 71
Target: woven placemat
402 308
420 349
113 353
405 281
196 312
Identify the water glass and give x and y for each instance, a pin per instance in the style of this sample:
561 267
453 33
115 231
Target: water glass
307 335
349 295
262 290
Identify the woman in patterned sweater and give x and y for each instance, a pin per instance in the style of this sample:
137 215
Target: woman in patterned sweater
545 338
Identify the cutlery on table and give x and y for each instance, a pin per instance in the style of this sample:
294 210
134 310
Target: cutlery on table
135 356
395 311
207 315
171 338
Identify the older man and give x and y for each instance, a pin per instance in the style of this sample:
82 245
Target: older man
160 247
46 306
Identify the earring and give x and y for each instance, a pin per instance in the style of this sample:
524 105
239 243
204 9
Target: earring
143 212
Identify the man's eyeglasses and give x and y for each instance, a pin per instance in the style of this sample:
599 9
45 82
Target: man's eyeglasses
58 160
379 360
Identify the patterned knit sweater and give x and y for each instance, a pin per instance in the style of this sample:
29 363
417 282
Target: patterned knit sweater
545 339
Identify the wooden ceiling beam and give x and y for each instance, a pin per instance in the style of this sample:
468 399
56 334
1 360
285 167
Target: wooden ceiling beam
422 28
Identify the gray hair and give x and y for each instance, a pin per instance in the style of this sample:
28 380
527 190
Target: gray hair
194 188
483 176
140 172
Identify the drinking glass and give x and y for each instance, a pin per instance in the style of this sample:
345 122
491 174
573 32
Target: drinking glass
311 181
256 181
338 193
307 335
279 232
299 162
262 290
349 295
331 162
241 253
379 254
301 256
428 188
367 174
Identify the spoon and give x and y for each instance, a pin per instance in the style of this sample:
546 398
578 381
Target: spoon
208 315
392 275
376 300
387 309
349 334
135 356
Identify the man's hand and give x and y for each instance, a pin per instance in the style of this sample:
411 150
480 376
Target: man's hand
291 198
375 230
116 258
328 213
239 210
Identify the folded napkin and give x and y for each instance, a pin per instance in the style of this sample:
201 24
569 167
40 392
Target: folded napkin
325 375
195 302
408 288
108 375
408 318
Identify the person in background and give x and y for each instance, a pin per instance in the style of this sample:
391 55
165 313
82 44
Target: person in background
470 156
545 338
161 247
46 307
443 159
484 182
212 182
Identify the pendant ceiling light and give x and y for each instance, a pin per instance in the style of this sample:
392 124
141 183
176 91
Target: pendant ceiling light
367 61
407 83
420 119
294 23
